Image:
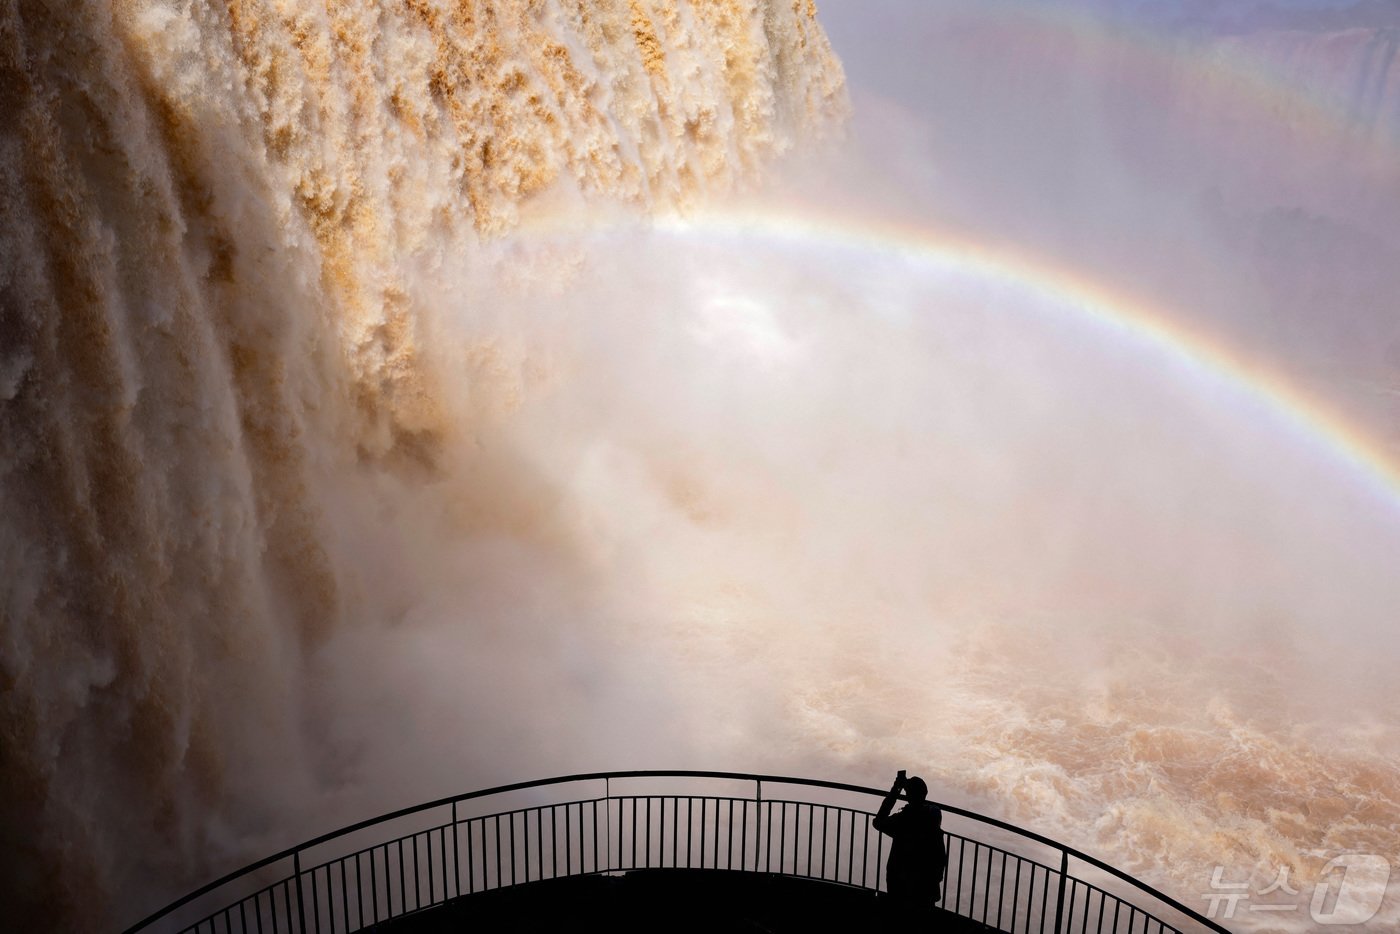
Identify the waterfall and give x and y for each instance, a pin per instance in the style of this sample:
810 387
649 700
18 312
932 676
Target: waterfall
228 230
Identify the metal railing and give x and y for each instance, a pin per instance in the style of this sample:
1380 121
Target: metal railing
351 879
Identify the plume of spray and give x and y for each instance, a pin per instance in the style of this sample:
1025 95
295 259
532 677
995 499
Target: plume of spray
852 511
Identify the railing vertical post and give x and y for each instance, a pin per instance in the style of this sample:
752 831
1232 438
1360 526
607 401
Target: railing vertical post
758 834
1060 901
301 902
456 854
607 821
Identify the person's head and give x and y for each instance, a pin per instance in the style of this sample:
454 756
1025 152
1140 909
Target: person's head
915 788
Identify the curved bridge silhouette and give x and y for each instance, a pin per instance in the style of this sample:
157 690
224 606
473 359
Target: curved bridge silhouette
660 850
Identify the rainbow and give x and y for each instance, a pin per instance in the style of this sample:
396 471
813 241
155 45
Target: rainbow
1122 317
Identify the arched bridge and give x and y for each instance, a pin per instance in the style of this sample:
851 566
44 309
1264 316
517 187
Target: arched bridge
661 850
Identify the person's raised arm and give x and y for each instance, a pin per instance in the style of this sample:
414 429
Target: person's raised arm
881 821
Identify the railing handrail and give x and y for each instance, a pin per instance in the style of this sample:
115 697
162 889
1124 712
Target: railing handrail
294 851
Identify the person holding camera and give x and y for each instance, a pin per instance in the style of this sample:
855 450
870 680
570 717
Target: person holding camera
914 872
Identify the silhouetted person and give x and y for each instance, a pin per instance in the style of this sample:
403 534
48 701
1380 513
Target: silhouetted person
914 873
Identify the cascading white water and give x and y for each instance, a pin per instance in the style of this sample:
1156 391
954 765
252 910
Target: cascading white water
225 229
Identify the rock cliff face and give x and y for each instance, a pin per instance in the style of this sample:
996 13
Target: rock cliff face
217 223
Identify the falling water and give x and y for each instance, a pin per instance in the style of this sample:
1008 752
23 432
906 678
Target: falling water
227 230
